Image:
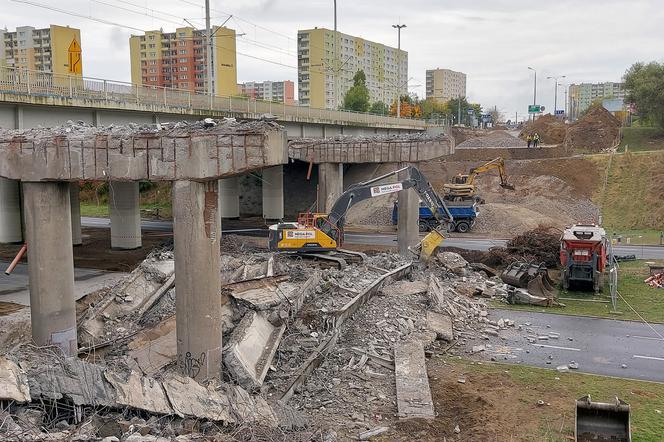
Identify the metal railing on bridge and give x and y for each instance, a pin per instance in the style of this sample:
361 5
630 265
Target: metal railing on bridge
38 83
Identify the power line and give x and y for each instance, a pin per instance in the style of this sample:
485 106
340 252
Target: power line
136 12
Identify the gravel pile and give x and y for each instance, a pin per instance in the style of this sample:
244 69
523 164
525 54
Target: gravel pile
497 138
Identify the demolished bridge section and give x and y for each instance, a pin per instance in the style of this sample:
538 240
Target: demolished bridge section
181 151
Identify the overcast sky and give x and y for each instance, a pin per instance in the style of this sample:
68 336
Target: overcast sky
492 41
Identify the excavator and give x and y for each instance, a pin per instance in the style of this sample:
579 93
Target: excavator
324 232
462 187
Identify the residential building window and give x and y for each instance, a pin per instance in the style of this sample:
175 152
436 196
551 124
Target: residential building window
183 51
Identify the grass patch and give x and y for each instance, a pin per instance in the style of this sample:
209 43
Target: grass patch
148 210
647 301
642 138
525 385
94 210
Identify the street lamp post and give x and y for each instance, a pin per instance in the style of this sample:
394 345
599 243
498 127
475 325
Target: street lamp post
398 28
336 64
555 91
534 89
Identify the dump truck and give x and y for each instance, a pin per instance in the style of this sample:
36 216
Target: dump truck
583 256
324 232
463 212
462 187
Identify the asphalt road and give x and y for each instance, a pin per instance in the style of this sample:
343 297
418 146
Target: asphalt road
386 239
600 346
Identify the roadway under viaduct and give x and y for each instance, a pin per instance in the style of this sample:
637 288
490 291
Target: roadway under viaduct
202 163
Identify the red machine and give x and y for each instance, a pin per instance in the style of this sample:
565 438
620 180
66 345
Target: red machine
583 255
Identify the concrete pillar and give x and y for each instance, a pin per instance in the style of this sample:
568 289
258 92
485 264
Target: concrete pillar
197 230
407 224
330 185
123 203
50 265
75 204
10 211
229 197
273 193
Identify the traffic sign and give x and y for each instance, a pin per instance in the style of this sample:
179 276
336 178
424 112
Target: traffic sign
535 108
560 112
471 111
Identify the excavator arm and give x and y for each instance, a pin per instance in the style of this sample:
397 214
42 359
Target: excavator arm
497 163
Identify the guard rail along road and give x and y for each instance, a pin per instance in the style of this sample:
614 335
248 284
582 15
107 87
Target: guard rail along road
44 88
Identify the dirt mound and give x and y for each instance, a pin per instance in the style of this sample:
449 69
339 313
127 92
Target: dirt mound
462 134
496 138
550 129
595 131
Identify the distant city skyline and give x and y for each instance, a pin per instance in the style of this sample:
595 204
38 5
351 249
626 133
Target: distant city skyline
493 42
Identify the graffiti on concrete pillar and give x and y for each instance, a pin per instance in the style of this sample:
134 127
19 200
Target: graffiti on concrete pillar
210 211
190 366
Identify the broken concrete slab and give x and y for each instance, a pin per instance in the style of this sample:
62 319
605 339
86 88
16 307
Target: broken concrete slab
440 324
13 382
153 349
190 399
247 408
139 392
413 392
252 345
258 294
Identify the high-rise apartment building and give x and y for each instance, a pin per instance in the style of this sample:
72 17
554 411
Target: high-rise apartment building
56 49
278 91
178 60
386 68
444 84
581 96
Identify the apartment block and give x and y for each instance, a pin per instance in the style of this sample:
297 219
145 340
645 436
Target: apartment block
444 84
277 91
385 67
581 96
56 49
179 60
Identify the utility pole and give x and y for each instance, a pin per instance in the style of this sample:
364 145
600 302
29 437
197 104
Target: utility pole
555 91
459 112
335 69
208 34
398 28
534 89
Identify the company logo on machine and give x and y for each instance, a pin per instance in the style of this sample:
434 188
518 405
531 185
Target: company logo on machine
387 188
300 234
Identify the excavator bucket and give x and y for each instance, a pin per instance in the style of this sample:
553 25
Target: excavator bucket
507 186
598 421
429 244
541 286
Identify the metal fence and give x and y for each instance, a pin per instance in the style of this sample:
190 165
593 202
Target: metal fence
36 83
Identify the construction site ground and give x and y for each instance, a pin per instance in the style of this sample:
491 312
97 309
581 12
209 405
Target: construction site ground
639 138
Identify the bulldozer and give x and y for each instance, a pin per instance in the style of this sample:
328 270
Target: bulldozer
316 233
462 187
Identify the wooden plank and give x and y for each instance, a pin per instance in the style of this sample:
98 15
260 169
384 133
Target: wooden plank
413 392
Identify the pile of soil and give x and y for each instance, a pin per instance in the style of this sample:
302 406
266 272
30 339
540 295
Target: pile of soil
495 138
550 129
594 132
461 134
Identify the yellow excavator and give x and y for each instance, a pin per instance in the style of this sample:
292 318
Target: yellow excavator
462 187
313 233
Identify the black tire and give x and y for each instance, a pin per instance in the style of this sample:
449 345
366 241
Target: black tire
462 227
424 226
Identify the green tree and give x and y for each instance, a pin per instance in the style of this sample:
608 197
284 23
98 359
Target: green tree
357 97
433 109
645 83
379 108
453 109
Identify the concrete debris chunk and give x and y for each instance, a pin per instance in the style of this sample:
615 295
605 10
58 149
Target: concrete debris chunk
13 382
252 346
413 393
478 348
139 392
190 399
405 288
441 324
366 435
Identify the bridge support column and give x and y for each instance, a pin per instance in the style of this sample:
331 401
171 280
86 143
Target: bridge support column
273 193
50 265
75 203
197 230
125 215
10 211
330 185
408 222
229 197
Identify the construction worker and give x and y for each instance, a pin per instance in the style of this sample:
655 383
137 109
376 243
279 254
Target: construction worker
529 139
536 140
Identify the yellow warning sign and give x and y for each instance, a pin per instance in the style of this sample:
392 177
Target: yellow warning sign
75 62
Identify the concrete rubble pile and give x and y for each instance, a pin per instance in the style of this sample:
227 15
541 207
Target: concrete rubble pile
305 348
497 138
656 280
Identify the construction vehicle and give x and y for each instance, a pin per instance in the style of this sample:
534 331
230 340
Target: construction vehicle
598 421
462 187
463 212
583 256
324 232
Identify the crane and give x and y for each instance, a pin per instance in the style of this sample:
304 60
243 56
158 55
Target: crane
462 187
324 232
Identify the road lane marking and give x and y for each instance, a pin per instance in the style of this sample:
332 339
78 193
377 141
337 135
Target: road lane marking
654 358
647 337
557 347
